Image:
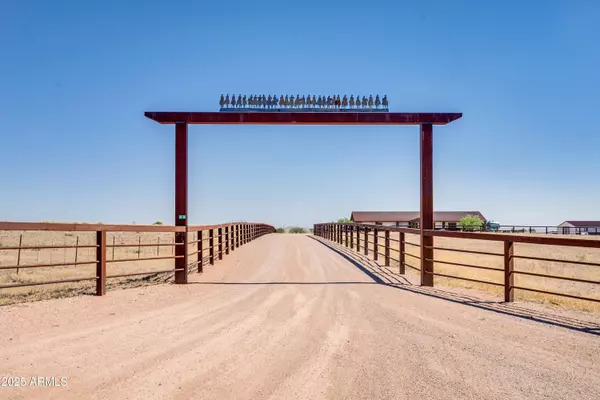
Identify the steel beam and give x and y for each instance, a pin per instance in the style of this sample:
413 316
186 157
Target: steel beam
426 204
181 206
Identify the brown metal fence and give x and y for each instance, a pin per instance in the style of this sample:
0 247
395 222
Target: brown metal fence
220 239
367 239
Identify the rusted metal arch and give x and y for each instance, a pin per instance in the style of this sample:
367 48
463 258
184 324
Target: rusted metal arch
181 120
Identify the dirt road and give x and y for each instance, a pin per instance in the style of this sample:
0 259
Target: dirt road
285 317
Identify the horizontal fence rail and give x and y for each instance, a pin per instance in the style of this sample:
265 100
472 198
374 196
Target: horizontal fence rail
375 241
222 239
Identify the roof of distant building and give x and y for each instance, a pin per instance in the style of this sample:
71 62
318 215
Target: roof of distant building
584 224
407 216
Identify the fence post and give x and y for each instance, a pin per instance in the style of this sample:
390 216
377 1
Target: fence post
509 266
366 244
19 252
232 227
402 255
375 244
200 252
100 263
211 246
358 239
387 248
346 235
220 233
227 240
351 234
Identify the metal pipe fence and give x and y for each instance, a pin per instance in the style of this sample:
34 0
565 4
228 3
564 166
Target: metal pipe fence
222 240
370 245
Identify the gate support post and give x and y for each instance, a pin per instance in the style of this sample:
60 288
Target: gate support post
181 206
426 204
366 244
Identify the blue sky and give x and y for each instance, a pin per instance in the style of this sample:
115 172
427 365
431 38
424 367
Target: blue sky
76 78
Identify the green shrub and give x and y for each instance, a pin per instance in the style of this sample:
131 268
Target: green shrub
297 229
471 223
280 230
344 221
158 223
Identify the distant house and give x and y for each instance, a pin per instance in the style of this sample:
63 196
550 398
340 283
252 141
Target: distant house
410 219
579 227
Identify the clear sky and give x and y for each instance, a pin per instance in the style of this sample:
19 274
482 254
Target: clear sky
77 76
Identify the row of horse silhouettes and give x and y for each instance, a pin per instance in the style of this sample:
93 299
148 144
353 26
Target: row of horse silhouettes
262 101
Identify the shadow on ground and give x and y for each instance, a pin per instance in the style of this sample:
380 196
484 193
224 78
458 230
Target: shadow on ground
384 276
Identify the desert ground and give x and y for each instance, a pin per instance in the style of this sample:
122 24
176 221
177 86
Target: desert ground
291 317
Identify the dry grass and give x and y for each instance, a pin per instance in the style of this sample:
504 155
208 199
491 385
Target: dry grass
521 249
49 256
